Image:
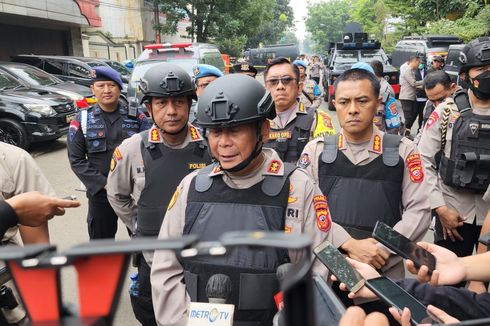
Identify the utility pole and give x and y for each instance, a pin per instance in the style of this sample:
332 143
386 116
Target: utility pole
157 22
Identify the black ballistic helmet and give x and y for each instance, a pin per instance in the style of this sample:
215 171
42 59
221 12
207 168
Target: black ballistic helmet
233 100
166 80
475 54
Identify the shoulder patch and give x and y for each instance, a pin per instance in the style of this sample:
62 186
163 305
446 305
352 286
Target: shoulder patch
304 161
113 164
173 200
414 166
434 116
341 141
155 136
194 133
117 154
274 167
377 143
323 220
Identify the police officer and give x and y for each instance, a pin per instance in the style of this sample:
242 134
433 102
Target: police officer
368 175
92 138
437 64
248 188
203 75
245 68
295 124
310 95
146 168
454 147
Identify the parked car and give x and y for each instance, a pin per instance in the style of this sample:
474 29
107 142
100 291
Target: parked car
428 46
65 68
96 62
38 79
185 55
31 115
452 64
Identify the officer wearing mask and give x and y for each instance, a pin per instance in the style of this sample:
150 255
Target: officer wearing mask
368 175
311 95
455 147
203 75
92 137
146 168
295 124
248 188
245 68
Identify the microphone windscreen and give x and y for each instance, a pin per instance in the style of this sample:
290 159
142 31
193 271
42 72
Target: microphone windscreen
282 271
218 286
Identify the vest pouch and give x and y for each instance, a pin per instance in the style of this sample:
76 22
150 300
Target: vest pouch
251 284
281 146
300 145
447 170
149 221
96 141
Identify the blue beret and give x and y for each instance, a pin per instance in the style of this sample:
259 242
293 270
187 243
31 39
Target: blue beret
300 63
107 73
364 66
204 70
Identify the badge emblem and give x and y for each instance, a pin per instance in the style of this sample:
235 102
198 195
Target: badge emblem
432 119
196 71
474 127
304 161
274 167
414 165
377 143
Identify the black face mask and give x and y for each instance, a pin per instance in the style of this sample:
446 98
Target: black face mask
480 85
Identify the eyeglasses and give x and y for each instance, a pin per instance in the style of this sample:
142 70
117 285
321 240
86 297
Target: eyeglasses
273 82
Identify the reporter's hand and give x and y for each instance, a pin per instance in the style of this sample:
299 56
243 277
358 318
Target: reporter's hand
366 251
34 208
355 316
450 220
477 287
441 315
449 269
404 318
367 272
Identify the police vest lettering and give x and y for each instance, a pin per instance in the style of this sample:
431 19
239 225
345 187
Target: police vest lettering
94 128
375 188
164 168
290 141
468 165
214 208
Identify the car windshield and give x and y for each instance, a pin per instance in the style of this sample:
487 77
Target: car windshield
118 67
7 82
33 76
343 57
368 56
95 64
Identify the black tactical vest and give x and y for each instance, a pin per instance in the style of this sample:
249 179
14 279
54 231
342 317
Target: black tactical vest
165 167
214 208
360 195
290 141
468 165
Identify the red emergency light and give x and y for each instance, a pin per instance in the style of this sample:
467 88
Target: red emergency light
159 46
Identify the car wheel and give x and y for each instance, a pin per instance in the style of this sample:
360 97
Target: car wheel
15 133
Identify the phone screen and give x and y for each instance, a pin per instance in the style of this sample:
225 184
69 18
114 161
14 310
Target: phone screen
397 297
339 266
403 246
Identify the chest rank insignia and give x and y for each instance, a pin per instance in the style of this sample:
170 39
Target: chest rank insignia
154 135
194 134
274 167
377 144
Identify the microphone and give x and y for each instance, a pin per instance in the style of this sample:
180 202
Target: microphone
218 288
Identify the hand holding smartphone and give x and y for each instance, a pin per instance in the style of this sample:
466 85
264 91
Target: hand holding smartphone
339 266
404 246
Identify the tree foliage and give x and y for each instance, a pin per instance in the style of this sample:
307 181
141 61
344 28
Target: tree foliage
326 21
228 23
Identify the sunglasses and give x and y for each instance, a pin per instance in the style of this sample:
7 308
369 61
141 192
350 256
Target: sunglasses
273 82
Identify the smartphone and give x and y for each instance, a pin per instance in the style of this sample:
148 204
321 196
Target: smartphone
404 246
70 197
339 266
394 295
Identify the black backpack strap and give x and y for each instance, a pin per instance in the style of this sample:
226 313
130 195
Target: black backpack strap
203 180
391 144
273 184
330 148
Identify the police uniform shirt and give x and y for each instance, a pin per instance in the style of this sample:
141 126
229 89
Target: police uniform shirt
322 122
314 98
416 213
168 290
92 169
19 173
126 178
468 204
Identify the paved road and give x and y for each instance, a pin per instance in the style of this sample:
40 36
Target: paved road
71 229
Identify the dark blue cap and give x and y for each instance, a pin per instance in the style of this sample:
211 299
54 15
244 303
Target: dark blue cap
204 70
107 73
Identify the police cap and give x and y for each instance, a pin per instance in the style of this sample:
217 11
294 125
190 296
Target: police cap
233 100
301 63
204 70
475 54
105 73
166 80
244 67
